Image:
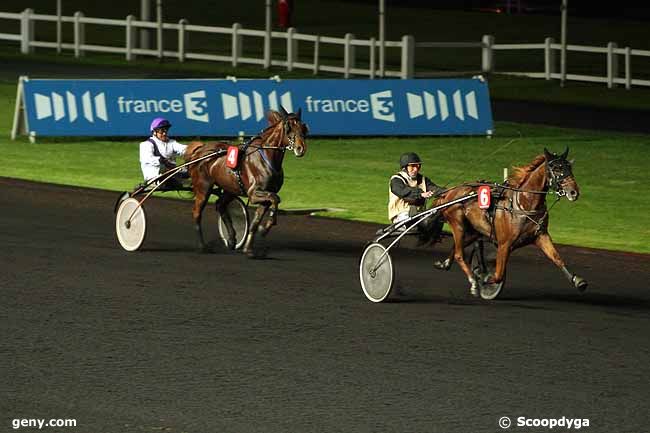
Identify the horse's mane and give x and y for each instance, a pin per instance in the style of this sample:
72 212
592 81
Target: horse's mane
520 174
270 134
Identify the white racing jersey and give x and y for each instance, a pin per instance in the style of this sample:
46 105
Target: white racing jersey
150 163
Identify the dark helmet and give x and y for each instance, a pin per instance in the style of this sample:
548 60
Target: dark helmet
409 158
159 122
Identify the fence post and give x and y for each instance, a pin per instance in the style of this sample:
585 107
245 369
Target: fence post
612 65
159 29
628 69
549 58
236 44
183 39
372 61
487 54
408 56
348 57
292 48
316 54
267 49
130 38
26 31
79 34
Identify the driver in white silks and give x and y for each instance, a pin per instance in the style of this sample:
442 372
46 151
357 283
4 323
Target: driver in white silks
407 196
158 153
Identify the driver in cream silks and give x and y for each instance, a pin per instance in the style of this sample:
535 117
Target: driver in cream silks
409 190
158 153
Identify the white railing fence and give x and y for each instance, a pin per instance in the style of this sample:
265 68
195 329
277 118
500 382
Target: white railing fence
348 54
349 46
551 52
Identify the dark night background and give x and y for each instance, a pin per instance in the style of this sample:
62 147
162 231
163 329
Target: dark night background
577 8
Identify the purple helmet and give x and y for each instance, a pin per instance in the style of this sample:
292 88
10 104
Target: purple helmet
160 122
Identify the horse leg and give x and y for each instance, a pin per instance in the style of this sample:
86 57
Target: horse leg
445 265
222 206
200 200
545 244
458 232
273 217
248 245
503 254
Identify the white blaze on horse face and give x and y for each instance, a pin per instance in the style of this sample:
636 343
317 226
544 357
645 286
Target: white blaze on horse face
298 146
572 194
297 140
570 188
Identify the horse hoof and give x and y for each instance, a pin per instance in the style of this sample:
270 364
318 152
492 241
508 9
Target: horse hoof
473 290
256 254
580 283
444 265
252 253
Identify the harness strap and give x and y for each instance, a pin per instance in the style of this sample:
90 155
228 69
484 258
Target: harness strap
266 159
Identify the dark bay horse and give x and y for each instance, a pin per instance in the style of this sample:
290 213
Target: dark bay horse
259 175
520 216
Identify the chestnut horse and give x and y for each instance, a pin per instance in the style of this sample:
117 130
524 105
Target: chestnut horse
520 216
258 176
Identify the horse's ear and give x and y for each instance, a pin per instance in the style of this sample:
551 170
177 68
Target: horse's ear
283 113
548 155
273 117
566 152
298 113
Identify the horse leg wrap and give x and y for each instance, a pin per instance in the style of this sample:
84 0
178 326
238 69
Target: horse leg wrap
443 265
473 289
579 283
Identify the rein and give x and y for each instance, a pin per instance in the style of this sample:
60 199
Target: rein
503 186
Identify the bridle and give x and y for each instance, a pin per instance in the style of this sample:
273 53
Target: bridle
291 139
559 169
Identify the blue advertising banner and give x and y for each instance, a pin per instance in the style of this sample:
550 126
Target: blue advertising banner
225 108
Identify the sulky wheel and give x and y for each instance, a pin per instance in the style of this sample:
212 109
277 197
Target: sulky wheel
130 224
376 272
238 214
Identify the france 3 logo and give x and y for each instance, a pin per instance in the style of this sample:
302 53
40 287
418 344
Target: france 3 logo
244 106
431 105
67 105
196 106
193 104
437 104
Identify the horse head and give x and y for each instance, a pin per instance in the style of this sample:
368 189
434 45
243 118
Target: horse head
294 130
560 175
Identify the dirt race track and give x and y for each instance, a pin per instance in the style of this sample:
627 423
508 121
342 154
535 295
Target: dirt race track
167 339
